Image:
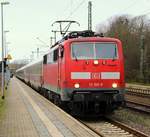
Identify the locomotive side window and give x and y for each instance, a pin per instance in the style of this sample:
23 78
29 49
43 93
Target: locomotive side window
61 51
45 59
55 55
50 58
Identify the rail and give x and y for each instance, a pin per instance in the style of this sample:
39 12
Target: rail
138 91
109 127
138 99
138 107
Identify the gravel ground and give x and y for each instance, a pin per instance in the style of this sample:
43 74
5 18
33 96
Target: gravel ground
137 120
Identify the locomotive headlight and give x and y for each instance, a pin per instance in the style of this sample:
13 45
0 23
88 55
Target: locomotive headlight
95 62
77 85
114 85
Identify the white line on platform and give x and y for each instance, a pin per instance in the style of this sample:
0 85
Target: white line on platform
54 132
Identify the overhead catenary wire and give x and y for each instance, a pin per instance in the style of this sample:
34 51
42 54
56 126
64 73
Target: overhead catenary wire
121 10
76 8
130 6
146 12
70 6
66 9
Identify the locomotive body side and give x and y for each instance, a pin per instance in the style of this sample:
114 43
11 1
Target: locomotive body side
53 71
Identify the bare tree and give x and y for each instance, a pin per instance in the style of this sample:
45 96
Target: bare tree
129 30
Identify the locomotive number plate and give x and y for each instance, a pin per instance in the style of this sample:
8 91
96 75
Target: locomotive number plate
95 84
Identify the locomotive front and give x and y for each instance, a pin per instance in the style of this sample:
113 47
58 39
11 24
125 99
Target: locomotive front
94 74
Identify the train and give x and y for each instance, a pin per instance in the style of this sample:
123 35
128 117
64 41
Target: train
83 73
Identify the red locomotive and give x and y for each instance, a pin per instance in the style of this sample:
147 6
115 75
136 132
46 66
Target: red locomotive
83 71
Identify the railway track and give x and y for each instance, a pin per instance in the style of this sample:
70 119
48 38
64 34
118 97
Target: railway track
137 86
110 128
138 98
138 107
139 92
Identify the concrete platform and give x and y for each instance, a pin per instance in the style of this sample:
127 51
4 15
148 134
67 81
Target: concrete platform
28 114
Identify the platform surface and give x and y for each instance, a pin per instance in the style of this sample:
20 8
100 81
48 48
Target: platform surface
28 114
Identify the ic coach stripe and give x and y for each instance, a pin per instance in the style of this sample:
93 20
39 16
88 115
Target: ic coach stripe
80 75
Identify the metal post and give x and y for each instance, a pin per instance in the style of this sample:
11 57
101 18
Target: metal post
32 55
2 88
142 58
38 52
3 76
54 36
54 31
89 15
42 41
5 43
51 41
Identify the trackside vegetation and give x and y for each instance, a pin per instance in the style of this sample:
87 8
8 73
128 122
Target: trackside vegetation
134 32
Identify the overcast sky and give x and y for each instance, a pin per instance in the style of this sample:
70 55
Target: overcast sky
28 19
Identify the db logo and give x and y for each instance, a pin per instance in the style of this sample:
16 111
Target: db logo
95 75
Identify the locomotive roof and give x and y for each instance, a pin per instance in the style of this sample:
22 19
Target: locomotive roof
87 35
93 39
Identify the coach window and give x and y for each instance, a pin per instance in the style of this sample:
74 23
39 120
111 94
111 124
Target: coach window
45 59
55 55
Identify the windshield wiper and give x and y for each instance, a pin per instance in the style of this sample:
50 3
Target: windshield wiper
74 55
115 53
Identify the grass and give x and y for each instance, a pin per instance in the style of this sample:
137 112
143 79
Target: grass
144 84
137 120
138 83
2 107
135 117
3 104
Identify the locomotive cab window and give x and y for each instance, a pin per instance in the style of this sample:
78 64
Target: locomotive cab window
94 51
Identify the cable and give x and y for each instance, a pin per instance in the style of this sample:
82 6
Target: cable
66 9
75 9
133 4
145 12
